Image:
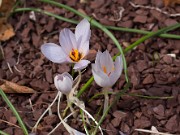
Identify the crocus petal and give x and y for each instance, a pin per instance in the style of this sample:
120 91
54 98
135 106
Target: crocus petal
114 76
82 32
75 132
67 40
85 48
81 64
53 52
66 74
63 82
100 77
106 61
97 60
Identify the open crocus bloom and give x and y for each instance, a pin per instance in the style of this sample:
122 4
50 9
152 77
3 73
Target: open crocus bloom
74 47
105 71
63 82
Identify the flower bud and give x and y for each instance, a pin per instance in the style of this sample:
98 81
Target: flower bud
63 82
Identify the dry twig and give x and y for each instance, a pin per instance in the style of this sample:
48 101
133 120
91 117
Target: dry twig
153 8
119 15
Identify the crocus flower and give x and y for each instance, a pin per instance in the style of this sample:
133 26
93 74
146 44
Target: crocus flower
63 82
105 71
74 47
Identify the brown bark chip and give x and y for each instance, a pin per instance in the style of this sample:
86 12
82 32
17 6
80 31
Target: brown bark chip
168 59
51 119
172 124
18 132
134 75
116 122
9 130
149 79
141 65
111 129
127 24
141 2
96 3
159 110
151 71
143 122
36 40
49 76
140 19
39 85
169 22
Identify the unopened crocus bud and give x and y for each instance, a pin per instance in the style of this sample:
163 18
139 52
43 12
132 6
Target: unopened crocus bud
64 82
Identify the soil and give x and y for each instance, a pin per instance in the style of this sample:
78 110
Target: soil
152 69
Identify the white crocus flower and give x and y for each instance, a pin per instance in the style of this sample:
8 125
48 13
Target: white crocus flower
105 71
74 47
63 82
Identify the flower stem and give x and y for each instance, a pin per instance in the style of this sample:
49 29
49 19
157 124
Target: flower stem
65 111
65 119
106 99
73 91
114 101
68 128
72 70
69 103
71 95
85 86
80 104
35 126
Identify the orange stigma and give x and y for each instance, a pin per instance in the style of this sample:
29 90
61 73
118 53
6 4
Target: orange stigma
104 69
75 55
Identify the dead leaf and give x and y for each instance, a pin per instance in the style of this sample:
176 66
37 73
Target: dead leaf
6 30
10 87
171 2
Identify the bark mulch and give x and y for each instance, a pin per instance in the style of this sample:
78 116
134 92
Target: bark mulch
151 68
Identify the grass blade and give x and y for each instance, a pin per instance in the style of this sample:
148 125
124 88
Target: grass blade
5 98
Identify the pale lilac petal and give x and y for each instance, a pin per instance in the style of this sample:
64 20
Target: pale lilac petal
53 52
75 132
85 48
98 55
106 60
82 32
56 81
114 76
81 65
97 60
100 77
67 40
66 74
63 82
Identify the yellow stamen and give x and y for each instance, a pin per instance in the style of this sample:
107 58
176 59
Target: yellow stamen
113 68
75 55
104 69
